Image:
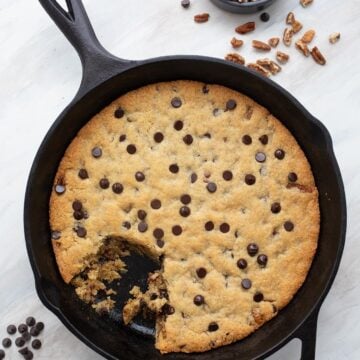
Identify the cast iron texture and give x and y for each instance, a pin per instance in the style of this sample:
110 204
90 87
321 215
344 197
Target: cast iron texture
243 8
106 77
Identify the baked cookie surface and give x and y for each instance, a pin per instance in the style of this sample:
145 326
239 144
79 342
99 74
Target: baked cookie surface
208 180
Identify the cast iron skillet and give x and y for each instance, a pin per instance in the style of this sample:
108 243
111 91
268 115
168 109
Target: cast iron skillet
105 77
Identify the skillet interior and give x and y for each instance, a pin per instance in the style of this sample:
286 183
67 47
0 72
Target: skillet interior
107 336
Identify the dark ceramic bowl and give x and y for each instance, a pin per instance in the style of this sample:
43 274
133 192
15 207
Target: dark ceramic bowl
242 8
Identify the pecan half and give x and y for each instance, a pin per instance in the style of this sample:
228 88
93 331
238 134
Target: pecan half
274 42
269 65
261 70
288 35
201 18
296 26
335 37
282 58
236 43
308 37
246 28
306 3
290 18
236 58
318 56
259 45
303 48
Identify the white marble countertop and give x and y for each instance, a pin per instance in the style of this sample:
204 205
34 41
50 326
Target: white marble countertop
40 73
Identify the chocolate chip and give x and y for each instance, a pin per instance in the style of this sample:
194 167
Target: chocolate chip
224 228
28 355
153 296
199 300
40 326
209 226
131 149
275 208
77 206
155 204
178 125
167 309
117 188
205 89
185 211
36 344
122 137
250 179
23 351
279 154
185 199
78 215
246 284
34 332
264 139
83 174
242 264
176 230
260 157
142 226
265 17
158 137
246 139
96 152
174 168
258 297
227 175
160 243
11 329
81 232
60 189
231 104
262 260
292 177
119 113
158 233
139 176
211 187
2 354
185 3
288 226
176 102
188 139
22 328
6 343
126 225
104 183
19 342
252 249
26 336
201 272
141 214
213 326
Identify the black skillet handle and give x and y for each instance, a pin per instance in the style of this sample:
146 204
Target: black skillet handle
307 334
98 64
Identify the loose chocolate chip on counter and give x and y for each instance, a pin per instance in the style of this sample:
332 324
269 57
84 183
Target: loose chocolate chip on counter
83 174
155 204
26 336
160 243
275 208
185 199
81 232
252 249
258 297
2 354
176 230
141 214
201 272
96 152
246 284
158 137
185 3
77 206
279 154
28 355
224 228
122 137
23 351
158 233
11 329
242 264
288 226
209 226
60 189
188 139
40 326
104 183
78 215
193 178
265 17
262 260
185 211
292 177
36 344
231 104
211 187
227 175
22 328
213 326
117 188
199 300
174 168
246 139
131 149
119 113
142 226
178 125
139 176
205 89
264 139
34 332
6 343
176 102
126 225
250 179
260 157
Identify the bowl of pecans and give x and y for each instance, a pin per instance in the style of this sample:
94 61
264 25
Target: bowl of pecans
243 6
